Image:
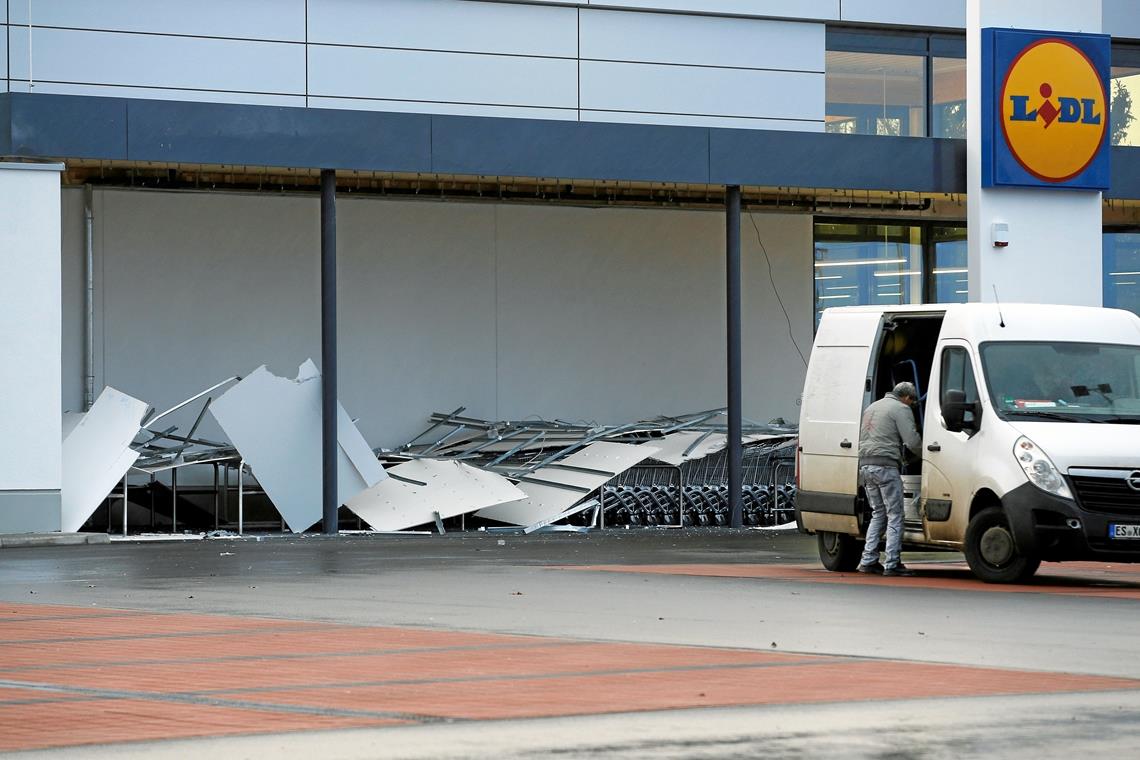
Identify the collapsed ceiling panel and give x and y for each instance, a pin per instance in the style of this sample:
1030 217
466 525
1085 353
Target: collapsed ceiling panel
449 488
275 423
97 454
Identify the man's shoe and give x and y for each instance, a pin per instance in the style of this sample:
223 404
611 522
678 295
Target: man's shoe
898 571
872 569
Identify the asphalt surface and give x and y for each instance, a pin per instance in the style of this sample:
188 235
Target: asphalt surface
701 588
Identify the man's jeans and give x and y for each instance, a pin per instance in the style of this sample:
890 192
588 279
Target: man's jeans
885 495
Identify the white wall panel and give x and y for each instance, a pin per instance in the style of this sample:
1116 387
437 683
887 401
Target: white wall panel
942 13
806 9
3 58
1120 18
30 329
250 19
449 109
156 61
726 122
701 40
154 93
698 90
448 77
458 25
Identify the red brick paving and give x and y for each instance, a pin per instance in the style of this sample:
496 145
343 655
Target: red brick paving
1069 579
183 675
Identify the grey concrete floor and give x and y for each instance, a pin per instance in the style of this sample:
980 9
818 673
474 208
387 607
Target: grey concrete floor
512 584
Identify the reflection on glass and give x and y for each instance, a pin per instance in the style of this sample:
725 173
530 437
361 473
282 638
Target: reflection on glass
857 264
875 94
950 258
948 111
1125 90
1122 270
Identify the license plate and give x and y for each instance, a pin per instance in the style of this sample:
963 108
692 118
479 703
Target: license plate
1116 530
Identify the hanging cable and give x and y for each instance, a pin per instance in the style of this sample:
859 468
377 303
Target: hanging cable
776 290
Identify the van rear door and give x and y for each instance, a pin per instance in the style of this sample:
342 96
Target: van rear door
837 382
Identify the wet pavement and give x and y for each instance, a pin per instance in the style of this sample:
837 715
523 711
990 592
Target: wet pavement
648 643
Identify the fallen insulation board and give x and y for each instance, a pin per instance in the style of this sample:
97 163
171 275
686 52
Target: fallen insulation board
673 447
97 454
544 502
275 424
452 488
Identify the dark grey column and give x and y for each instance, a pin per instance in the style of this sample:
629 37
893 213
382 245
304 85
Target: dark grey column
732 277
328 353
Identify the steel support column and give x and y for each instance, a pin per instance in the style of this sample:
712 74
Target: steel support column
732 278
328 353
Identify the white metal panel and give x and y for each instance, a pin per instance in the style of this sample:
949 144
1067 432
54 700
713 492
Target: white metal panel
146 60
452 489
701 90
97 454
544 502
450 109
686 120
912 13
1120 18
275 423
157 93
826 10
701 40
3 57
30 326
457 25
248 19
445 77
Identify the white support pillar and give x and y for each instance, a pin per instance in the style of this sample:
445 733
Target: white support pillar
1054 251
30 338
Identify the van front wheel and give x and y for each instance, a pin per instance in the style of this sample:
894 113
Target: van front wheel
838 552
991 551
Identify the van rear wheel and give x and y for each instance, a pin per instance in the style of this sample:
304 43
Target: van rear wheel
991 551
838 552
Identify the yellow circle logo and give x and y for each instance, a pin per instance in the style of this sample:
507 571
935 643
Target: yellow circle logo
1054 110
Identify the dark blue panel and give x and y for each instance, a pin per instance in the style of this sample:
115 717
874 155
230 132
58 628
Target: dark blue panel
850 162
5 125
212 133
567 149
1125 173
64 126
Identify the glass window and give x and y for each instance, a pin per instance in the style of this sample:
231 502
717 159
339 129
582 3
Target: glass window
857 264
1122 270
950 272
876 94
1125 94
948 110
957 374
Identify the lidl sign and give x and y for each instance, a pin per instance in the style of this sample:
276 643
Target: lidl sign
1045 109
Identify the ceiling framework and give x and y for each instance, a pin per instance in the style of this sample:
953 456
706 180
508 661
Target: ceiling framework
537 190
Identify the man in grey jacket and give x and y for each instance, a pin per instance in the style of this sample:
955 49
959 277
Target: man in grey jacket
887 427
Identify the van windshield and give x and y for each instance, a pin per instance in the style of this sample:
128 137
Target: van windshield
1071 382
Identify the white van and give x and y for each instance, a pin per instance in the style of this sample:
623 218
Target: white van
1030 416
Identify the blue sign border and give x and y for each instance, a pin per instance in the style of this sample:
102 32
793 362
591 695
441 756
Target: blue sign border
999 166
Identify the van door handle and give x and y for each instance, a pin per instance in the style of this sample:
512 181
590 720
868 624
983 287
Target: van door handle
934 447
845 444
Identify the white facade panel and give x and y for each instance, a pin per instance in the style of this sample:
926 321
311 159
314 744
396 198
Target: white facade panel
725 122
155 93
247 19
456 25
651 88
1120 18
823 10
31 443
448 109
442 77
702 40
145 60
939 13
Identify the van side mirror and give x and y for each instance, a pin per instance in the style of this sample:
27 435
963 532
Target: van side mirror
954 408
